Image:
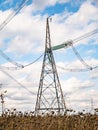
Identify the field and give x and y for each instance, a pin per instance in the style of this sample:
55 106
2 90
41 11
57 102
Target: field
27 121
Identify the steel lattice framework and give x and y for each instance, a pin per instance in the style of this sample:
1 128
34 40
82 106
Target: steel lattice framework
50 96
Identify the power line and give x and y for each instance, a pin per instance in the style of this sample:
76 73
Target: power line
23 66
17 82
13 14
73 69
85 35
5 22
70 42
33 61
77 70
10 60
80 58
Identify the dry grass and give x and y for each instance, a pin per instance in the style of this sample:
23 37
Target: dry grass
27 121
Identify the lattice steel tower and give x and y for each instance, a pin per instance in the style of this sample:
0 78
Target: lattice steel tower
50 95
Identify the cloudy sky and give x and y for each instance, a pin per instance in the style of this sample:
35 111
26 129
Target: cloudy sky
22 41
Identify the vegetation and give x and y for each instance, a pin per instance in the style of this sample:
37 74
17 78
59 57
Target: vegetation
28 121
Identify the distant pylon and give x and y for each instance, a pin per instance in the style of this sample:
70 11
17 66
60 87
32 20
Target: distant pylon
2 101
50 96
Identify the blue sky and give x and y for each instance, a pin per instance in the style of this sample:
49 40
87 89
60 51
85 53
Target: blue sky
23 41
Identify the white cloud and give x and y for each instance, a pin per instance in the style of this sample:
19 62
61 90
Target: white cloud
24 26
25 31
41 5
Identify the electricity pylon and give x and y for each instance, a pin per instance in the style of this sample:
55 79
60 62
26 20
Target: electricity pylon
50 96
2 101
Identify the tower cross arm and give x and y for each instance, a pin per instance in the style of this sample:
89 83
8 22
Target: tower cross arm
70 42
63 45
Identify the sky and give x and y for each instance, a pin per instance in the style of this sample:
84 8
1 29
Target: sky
22 40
